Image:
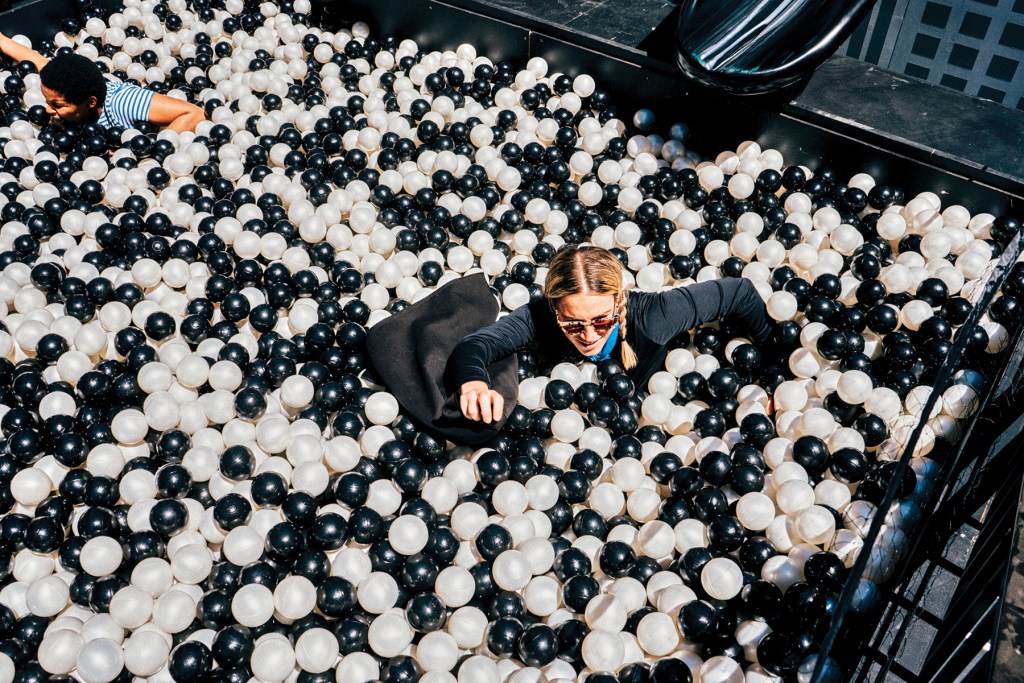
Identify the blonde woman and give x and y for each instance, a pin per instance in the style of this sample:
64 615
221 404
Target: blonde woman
587 313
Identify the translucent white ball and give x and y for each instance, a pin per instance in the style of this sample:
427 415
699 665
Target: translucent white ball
315 650
790 395
146 652
794 496
47 597
437 651
511 570
100 661
252 605
721 669
294 597
381 408
721 578
377 593
455 586
603 651
515 295
467 626
755 511
854 387
567 426
816 525
959 400
389 634
272 660
408 535
657 634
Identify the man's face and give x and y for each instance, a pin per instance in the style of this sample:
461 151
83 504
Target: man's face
67 113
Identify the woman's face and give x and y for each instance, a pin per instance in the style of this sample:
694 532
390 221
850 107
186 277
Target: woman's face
587 308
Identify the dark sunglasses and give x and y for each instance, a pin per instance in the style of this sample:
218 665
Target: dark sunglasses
602 326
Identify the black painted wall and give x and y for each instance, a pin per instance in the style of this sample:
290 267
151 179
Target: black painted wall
37 19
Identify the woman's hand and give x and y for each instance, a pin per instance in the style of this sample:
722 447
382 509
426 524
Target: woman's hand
479 402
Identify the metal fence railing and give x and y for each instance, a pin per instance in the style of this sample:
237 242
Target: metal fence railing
945 485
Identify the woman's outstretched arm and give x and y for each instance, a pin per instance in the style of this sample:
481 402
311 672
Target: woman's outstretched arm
672 312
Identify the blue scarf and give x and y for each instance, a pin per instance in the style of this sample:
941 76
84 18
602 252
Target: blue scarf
606 352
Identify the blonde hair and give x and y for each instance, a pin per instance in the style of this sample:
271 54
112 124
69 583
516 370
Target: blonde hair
589 270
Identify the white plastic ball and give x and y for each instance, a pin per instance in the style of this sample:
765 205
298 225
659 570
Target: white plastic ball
389 634
146 652
567 426
815 525
603 651
657 634
377 593
755 511
721 669
100 661
511 570
721 578
854 387
381 408
272 660
408 535
315 650
437 651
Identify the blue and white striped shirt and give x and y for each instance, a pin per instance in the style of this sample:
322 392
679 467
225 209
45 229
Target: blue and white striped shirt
124 105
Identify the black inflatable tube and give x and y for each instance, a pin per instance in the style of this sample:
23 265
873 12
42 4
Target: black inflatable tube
758 46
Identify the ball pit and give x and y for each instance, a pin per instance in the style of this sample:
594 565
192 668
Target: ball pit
195 478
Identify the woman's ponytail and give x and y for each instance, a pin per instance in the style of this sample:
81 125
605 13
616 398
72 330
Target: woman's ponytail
628 355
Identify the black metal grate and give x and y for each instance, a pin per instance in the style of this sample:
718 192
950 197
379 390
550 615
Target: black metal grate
973 46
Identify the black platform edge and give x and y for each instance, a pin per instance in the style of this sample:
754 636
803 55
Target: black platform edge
980 139
803 128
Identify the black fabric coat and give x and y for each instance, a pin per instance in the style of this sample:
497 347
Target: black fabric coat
410 352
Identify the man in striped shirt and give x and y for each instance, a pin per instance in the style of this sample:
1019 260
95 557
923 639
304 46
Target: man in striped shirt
77 92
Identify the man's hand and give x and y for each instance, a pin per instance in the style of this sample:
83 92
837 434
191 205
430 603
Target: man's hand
480 402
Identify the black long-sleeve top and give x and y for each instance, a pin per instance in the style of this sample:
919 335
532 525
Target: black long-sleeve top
652 319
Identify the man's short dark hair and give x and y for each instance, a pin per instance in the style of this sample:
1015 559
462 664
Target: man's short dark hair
75 77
